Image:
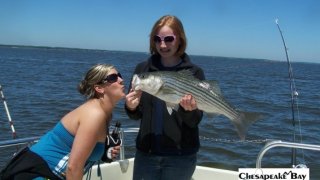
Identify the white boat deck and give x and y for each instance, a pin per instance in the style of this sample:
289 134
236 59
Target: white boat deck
113 171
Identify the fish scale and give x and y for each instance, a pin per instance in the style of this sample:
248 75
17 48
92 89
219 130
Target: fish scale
204 96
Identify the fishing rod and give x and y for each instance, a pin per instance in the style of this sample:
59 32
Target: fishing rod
8 113
294 94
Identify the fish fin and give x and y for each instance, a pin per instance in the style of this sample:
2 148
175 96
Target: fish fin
211 86
243 121
169 92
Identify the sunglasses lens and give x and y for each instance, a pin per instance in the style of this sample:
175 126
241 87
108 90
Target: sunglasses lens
119 75
113 78
156 39
168 39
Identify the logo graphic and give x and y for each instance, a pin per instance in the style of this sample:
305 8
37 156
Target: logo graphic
273 174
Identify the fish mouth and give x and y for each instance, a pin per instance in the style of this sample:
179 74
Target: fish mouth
135 82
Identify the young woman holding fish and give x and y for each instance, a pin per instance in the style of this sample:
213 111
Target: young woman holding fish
167 143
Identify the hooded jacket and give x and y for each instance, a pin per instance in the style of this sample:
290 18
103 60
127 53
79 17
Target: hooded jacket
161 133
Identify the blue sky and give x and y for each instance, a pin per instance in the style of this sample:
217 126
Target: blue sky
230 28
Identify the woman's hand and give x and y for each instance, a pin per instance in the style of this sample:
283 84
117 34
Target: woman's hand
115 151
133 99
188 103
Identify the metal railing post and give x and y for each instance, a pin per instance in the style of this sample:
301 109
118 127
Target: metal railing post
279 143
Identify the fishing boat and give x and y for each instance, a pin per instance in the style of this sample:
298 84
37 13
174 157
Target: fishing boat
122 169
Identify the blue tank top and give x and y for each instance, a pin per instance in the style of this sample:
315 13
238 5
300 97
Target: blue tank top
55 147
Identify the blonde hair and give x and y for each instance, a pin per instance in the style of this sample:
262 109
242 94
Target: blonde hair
175 24
93 77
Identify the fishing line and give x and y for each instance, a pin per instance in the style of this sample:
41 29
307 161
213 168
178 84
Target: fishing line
294 98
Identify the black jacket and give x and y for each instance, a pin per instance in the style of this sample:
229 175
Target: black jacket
179 131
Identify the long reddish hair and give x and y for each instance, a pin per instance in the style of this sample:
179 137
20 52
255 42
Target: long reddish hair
175 24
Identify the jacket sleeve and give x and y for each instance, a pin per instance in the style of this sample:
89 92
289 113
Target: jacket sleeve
192 118
135 115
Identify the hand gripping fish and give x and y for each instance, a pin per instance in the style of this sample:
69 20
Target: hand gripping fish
171 86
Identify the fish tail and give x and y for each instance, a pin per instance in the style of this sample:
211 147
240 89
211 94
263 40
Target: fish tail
243 121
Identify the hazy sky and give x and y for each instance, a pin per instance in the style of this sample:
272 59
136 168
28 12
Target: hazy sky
231 28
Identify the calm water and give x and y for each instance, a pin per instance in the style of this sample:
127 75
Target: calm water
40 87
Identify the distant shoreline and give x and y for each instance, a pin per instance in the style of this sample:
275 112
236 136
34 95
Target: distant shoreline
82 49
48 47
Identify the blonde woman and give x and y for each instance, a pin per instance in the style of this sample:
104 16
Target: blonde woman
77 141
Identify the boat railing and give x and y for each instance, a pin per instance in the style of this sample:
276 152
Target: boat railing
124 163
30 140
19 141
279 143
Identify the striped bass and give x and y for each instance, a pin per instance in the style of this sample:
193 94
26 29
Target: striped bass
171 86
